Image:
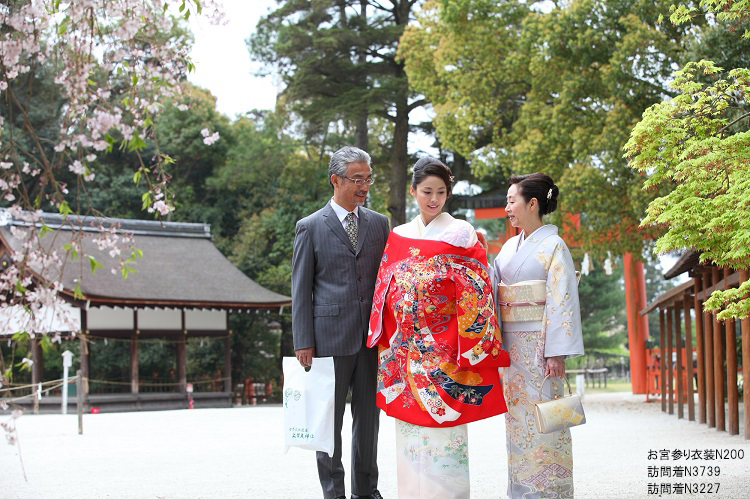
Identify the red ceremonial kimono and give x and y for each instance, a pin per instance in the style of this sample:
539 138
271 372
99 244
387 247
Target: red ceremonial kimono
433 319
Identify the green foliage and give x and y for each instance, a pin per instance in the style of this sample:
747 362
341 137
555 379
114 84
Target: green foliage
464 57
157 361
255 347
255 172
110 361
338 62
205 360
251 176
719 43
314 46
191 160
11 354
518 90
700 141
734 302
730 11
42 111
53 361
603 318
268 183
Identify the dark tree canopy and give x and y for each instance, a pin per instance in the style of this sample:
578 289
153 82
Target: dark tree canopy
338 62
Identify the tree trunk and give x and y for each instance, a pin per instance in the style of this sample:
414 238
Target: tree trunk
460 169
399 159
363 138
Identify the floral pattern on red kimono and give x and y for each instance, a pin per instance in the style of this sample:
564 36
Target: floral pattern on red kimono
433 319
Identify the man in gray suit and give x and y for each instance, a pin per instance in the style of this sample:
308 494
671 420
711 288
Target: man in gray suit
337 251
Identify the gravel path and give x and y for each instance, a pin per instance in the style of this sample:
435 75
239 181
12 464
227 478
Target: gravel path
218 453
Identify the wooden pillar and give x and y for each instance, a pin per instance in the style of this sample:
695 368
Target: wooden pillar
134 378
678 358
718 362
182 364
663 358
83 346
698 307
670 364
37 366
689 356
84 354
733 419
635 301
708 343
744 276
134 374
182 357
228 362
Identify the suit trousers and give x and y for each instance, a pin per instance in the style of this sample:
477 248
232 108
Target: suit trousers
357 373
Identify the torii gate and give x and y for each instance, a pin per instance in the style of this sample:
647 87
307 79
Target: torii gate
491 205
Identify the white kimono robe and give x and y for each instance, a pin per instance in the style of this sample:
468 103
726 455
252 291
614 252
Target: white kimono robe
442 228
539 465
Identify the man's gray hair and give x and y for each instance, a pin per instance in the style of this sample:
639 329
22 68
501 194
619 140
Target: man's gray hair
340 160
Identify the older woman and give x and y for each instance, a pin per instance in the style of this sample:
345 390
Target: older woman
537 297
434 321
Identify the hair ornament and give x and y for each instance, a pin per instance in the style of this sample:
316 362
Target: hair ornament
549 194
453 179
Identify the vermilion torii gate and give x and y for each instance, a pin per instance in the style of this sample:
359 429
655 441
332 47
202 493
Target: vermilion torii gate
491 205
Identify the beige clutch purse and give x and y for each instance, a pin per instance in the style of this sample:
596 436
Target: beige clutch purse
560 413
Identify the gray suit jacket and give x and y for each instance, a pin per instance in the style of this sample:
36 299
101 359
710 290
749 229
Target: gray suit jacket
333 283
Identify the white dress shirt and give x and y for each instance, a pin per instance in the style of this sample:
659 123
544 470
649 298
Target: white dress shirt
342 213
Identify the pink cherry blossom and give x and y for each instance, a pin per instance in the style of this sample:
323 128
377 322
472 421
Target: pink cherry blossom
115 71
211 138
77 168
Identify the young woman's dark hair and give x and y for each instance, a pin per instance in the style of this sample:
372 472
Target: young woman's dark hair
540 186
429 166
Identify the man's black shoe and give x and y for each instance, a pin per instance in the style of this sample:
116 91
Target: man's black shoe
375 495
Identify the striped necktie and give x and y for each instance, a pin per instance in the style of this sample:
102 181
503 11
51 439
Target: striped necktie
351 229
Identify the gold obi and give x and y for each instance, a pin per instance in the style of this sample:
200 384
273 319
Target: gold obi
521 302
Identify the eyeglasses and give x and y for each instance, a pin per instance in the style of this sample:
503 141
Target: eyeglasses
361 181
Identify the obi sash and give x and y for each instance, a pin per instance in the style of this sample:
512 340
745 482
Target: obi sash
439 340
522 302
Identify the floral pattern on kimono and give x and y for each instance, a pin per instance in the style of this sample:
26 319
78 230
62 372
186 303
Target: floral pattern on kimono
440 345
539 465
432 463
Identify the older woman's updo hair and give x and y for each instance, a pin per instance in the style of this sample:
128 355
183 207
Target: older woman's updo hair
429 166
540 186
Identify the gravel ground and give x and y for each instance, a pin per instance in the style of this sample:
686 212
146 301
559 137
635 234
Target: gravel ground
212 453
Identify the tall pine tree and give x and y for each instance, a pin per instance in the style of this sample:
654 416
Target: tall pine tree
337 59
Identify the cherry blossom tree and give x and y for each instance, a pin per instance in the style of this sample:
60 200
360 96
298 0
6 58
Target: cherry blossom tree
77 80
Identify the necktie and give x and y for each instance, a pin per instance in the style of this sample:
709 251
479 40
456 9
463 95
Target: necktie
351 229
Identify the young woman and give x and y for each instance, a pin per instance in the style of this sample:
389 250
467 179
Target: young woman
537 298
433 319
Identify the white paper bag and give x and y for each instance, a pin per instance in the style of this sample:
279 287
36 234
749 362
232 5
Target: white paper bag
309 404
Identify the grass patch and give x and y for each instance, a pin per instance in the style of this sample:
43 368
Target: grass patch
612 387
